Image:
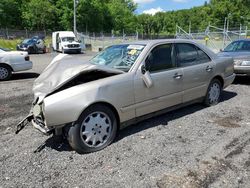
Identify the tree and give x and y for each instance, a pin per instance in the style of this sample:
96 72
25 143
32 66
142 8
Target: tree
10 11
39 14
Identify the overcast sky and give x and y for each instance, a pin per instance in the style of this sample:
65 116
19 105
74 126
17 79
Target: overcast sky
153 6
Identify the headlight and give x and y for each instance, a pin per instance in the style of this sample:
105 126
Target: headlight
66 46
245 63
237 62
37 110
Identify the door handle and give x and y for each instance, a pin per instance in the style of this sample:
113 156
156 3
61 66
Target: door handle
177 76
209 68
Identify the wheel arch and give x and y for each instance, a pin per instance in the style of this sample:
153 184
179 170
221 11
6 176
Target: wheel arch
109 106
218 77
7 65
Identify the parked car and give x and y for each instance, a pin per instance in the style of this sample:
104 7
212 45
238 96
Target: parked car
89 102
33 45
240 51
13 61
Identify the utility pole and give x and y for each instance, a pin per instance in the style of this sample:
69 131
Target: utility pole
75 5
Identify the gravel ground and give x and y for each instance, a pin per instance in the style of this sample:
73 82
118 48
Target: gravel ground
191 147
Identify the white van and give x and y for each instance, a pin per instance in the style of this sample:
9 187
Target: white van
65 41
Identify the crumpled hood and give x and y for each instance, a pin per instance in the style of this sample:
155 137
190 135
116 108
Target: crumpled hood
236 55
62 69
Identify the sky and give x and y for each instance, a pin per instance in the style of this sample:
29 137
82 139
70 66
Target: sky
153 6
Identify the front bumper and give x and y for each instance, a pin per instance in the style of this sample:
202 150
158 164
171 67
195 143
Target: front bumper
39 124
242 70
72 49
22 48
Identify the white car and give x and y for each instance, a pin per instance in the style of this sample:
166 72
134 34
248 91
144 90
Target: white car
13 61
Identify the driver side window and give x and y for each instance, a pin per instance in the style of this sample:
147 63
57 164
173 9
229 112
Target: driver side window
160 58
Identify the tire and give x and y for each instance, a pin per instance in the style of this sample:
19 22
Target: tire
95 129
213 95
5 72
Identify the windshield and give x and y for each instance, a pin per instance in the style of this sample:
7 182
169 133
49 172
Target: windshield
118 56
68 39
28 41
238 46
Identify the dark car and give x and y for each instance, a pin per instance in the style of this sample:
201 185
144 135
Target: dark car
32 45
240 51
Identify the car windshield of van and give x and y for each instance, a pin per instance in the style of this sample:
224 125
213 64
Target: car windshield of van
238 46
68 39
119 56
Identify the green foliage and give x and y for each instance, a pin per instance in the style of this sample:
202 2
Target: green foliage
38 14
118 16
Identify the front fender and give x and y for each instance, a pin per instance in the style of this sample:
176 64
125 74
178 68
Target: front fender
66 106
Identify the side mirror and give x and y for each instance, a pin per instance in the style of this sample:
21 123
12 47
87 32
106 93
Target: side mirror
146 76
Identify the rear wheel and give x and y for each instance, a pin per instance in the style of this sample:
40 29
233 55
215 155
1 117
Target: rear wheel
213 95
94 130
5 72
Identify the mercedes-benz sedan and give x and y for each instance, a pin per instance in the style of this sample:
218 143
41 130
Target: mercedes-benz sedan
89 102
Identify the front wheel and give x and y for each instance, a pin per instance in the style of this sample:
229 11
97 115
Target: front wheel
213 93
94 130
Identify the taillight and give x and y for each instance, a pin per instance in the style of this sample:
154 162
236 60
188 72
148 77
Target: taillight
27 58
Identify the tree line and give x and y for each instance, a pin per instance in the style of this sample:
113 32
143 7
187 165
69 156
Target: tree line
118 16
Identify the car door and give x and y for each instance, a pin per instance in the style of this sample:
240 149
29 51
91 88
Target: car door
197 70
166 77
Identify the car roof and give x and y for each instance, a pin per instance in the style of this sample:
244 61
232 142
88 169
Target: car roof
156 41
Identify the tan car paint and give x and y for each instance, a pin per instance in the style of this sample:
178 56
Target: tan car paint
128 93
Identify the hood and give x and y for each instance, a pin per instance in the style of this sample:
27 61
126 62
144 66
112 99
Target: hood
236 55
61 70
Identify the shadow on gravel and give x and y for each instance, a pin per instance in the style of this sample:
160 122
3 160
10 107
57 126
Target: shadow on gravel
55 142
26 75
163 120
227 95
242 80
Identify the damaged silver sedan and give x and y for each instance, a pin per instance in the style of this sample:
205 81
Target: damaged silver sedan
89 102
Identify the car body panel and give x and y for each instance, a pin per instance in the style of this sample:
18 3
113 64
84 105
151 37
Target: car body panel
126 92
157 97
16 60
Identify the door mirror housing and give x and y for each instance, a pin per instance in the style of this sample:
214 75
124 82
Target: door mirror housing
146 77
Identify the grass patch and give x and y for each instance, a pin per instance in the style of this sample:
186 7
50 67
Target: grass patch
11 44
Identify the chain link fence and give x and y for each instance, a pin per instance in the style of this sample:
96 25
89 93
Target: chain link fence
216 38
12 34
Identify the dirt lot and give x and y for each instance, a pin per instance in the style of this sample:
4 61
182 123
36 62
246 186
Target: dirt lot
190 147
